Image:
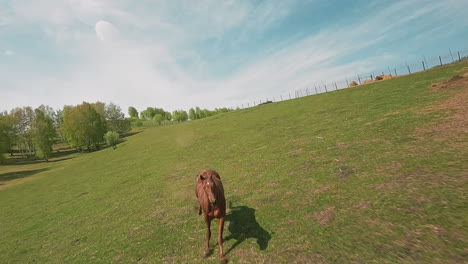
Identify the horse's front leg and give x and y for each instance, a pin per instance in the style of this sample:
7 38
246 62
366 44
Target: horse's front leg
208 236
220 237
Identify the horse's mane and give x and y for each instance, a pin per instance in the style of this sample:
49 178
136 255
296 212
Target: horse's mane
219 190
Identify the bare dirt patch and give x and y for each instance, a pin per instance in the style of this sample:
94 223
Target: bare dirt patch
325 217
341 145
296 152
322 189
456 124
376 121
390 167
363 204
455 81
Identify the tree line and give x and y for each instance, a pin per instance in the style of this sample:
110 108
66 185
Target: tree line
160 116
32 132
85 127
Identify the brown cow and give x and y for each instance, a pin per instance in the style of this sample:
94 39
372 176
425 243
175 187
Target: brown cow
210 194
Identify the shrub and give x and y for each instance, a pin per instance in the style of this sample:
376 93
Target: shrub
112 138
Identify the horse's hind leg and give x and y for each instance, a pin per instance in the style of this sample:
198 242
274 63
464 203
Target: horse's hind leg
220 238
208 236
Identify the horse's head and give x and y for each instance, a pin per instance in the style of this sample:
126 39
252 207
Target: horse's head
209 187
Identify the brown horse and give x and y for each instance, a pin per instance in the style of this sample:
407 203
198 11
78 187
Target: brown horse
210 194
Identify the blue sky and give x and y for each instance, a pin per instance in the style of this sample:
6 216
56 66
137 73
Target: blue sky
181 54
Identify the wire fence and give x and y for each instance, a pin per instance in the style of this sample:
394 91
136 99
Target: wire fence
425 63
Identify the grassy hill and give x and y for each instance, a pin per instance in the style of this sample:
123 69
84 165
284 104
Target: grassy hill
375 173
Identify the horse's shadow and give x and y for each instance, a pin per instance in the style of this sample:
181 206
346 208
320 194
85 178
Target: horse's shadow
243 225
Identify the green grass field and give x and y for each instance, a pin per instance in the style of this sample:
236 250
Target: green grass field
371 174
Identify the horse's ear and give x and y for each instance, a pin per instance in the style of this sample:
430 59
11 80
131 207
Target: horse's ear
201 177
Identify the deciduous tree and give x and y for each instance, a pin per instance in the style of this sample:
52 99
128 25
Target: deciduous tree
158 118
116 119
112 138
43 134
132 112
7 134
83 126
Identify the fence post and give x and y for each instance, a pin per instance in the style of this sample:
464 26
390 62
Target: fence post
315 86
459 59
395 72
347 83
289 95
440 59
389 71
307 91
336 87
424 67
451 54
325 88
248 105
359 78
281 97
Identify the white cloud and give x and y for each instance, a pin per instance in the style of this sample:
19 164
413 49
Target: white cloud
9 53
106 32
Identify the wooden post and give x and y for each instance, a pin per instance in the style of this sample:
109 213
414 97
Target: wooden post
336 87
451 55
409 71
325 88
459 59
281 97
440 59
315 89
289 95
347 83
307 91
359 78
395 72
424 67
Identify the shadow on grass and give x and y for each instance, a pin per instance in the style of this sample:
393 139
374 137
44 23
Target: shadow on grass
26 161
129 134
244 225
18 175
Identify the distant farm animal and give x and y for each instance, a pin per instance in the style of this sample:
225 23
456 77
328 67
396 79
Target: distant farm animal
383 77
210 194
